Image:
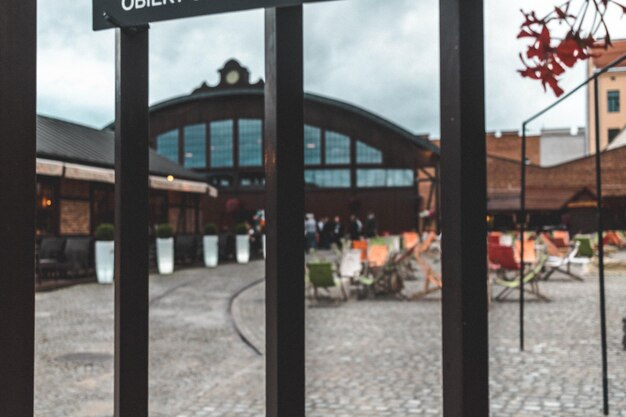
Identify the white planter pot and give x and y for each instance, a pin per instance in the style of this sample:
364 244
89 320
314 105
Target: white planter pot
243 249
105 261
165 255
264 246
210 247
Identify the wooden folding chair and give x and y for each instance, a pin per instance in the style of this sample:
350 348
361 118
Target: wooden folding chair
362 246
432 280
531 279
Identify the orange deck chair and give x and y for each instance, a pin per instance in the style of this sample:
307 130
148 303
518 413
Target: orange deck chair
410 240
377 256
362 246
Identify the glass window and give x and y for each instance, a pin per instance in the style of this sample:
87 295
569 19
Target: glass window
367 178
221 181
337 148
252 180
366 154
167 145
312 145
327 178
195 146
250 142
222 144
613 101
399 178
371 178
613 134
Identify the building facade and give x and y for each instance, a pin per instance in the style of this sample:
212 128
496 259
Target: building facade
75 183
612 90
355 162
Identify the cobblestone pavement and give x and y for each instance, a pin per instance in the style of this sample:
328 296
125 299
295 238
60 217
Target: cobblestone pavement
364 358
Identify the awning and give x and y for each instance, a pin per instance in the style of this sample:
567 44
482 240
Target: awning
87 173
49 168
185 186
106 175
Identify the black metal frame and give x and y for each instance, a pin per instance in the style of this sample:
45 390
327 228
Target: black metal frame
17 205
284 167
465 341
599 216
131 219
464 209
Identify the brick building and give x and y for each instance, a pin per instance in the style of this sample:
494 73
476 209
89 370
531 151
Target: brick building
75 183
355 161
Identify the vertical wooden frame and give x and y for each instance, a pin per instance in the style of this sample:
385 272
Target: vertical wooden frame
18 61
464 209
284 166
131 223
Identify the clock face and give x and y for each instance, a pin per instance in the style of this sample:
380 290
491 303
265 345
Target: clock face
232 77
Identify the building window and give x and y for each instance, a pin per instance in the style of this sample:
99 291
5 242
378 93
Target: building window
613 134
312 145
366 154
327 178
369 178
337 148
366 178
250 143
167 145
221 181
222 144
252 180
399 178
195 146
613 101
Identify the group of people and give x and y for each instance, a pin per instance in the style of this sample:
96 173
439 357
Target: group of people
328 230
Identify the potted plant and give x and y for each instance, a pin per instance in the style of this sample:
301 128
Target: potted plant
165 248
210 245
105 253
243 243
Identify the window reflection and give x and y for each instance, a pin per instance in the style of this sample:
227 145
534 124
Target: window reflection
337 148
368 178
250 142
366 154
167 145
312 145
327 178
222 144
195 146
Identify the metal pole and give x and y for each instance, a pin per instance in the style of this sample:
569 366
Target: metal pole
284 167
600 220
522 228
464 209
18 61
131 223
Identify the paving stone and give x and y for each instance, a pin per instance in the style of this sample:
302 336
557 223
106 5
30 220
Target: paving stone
365 358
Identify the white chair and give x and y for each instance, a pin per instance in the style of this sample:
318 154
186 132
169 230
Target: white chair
563 264
350 265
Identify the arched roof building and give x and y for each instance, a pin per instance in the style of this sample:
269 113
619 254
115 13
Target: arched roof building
356 161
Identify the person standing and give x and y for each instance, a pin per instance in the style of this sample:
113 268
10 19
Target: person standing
310 232
371 228
337 232
356 227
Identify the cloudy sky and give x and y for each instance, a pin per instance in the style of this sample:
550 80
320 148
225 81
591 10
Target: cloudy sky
382 55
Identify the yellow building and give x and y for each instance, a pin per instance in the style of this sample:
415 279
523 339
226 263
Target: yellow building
612 90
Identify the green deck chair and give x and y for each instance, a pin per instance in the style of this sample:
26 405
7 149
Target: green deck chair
531 282
585 249
321 275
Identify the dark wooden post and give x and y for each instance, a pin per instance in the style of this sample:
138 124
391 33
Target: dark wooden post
18 61
600 232
464 198
131 223
284 165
